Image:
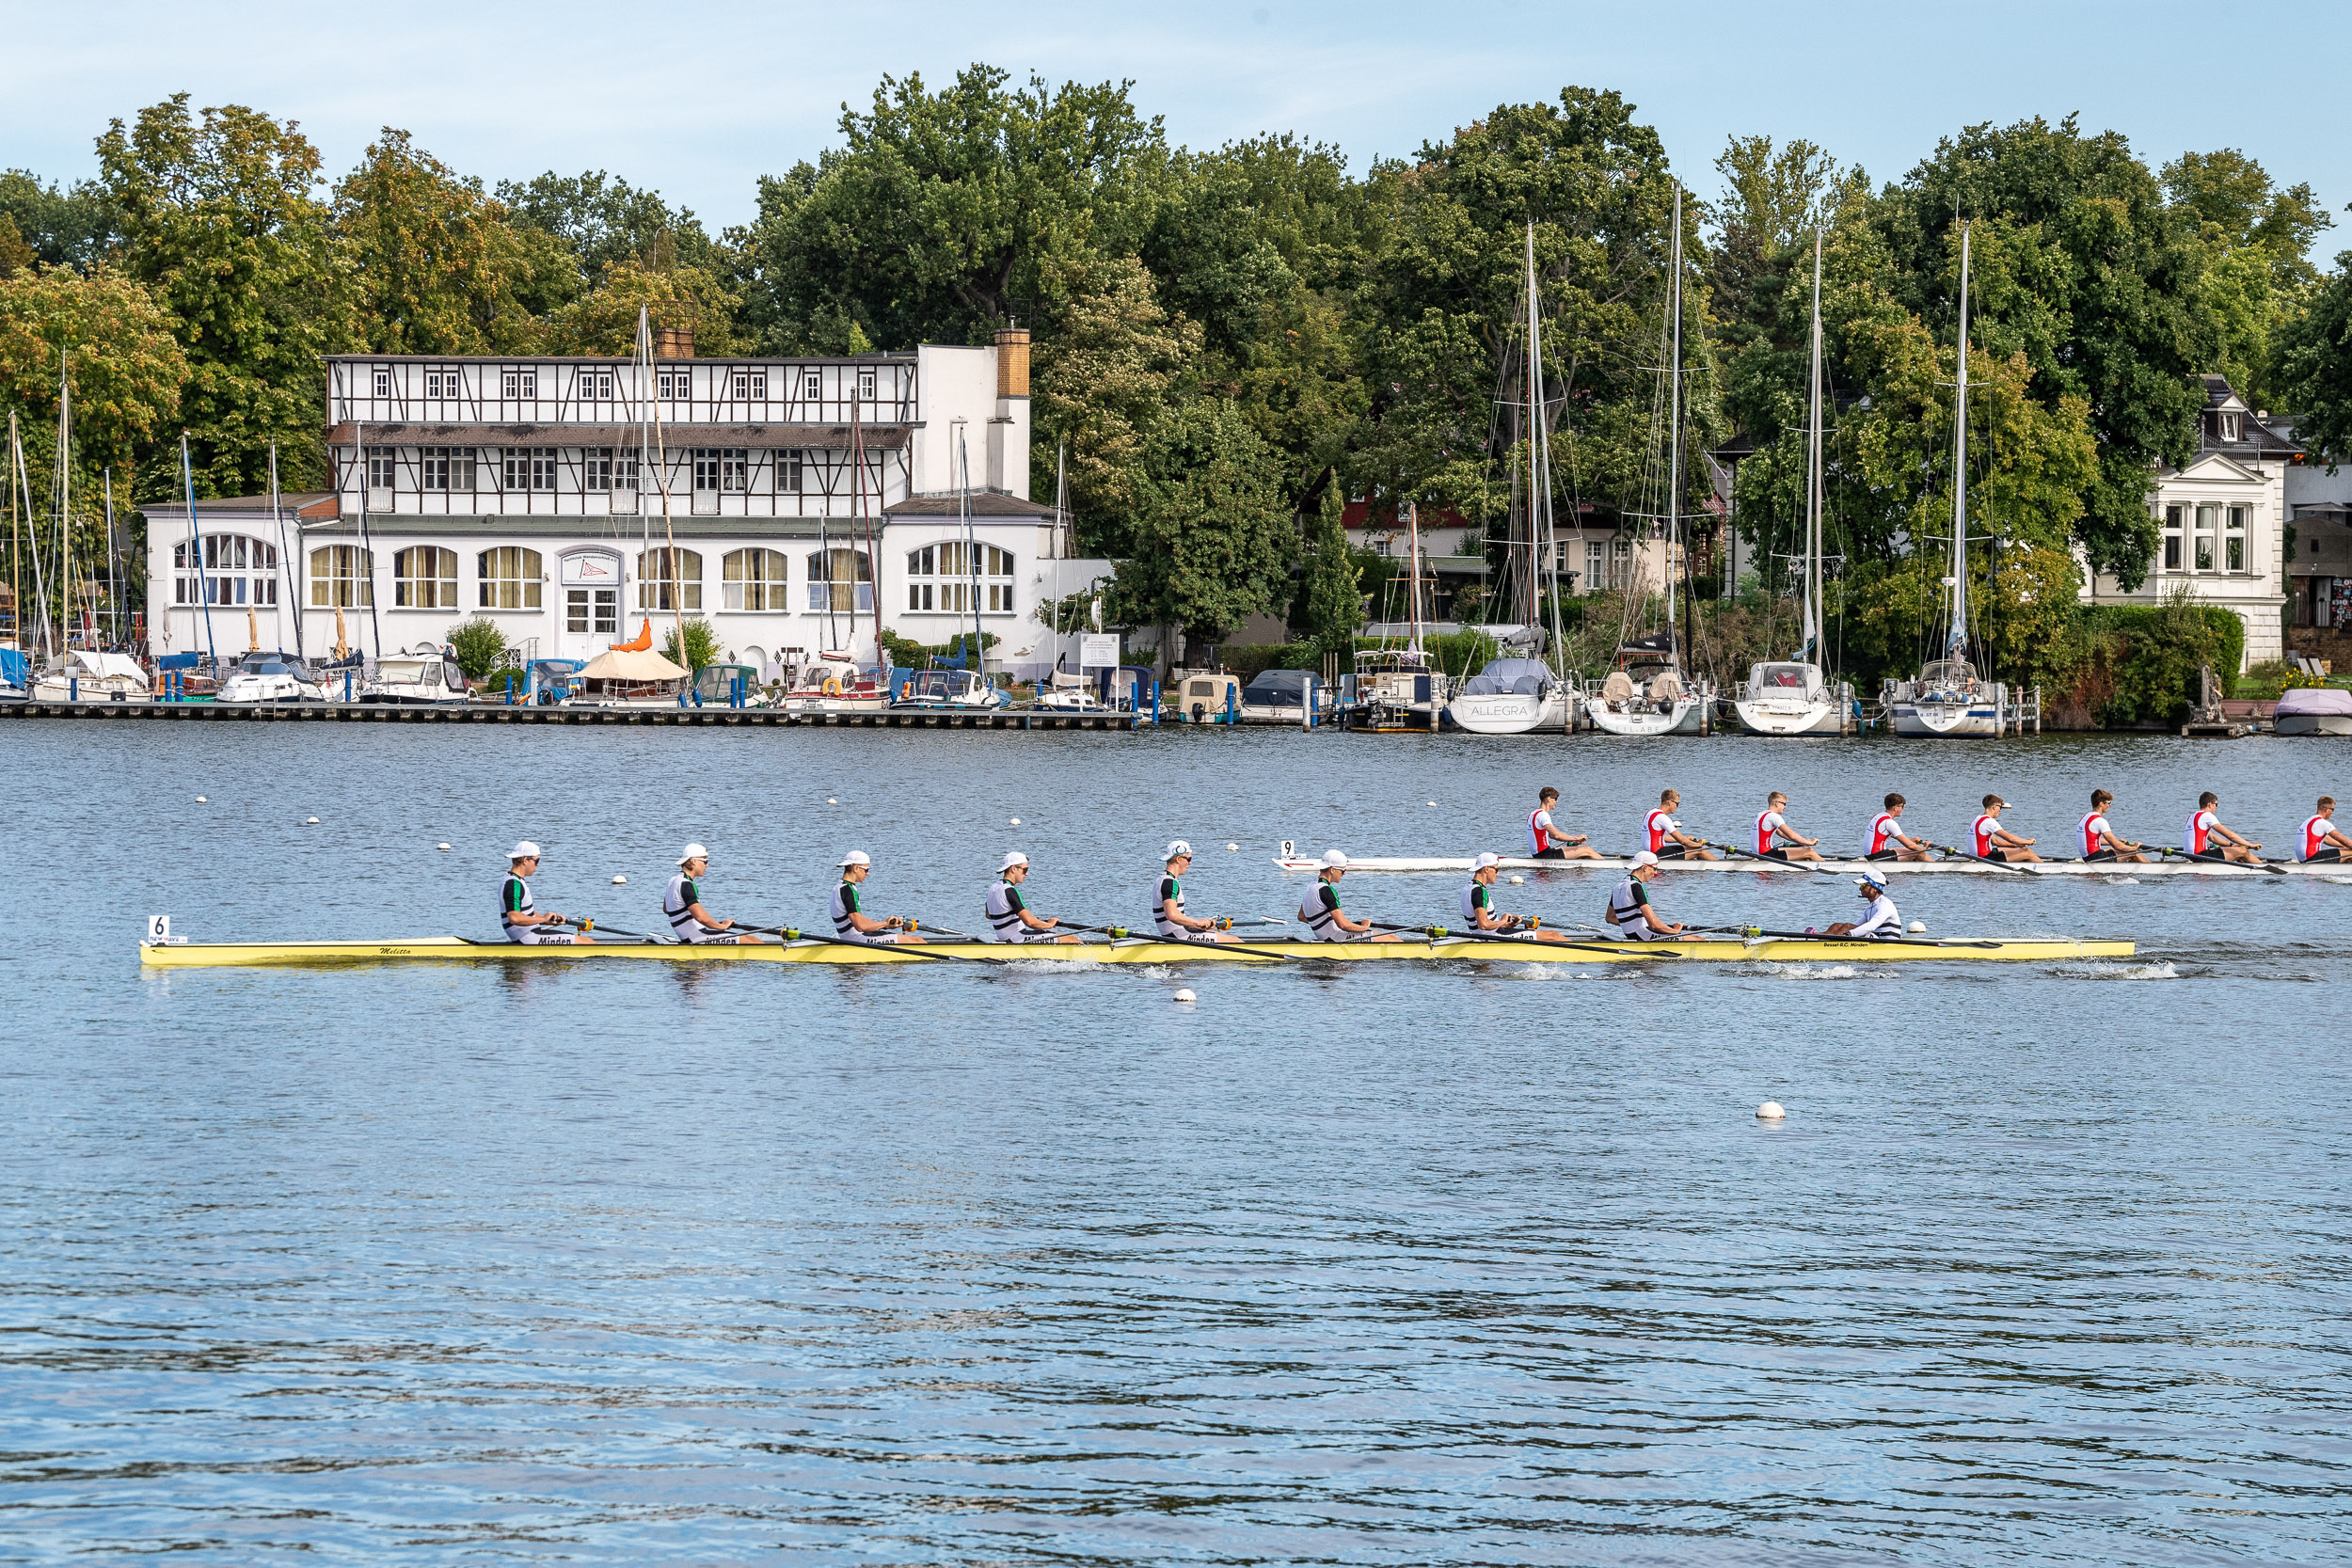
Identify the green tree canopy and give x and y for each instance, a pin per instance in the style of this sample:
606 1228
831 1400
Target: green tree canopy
125 367
437 267
2315 367
1213 539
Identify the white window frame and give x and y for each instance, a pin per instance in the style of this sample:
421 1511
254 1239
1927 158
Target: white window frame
2205 545
772 588
662 588
867 383
508 578
347 581
591 612
821 581
435 590
383 469
811 386
749 385
2234 521
381 379
593 385
790 463
673 384
519 383
2173 552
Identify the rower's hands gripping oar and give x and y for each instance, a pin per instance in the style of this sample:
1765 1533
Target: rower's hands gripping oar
585 927
1814 867
2271 867
790 933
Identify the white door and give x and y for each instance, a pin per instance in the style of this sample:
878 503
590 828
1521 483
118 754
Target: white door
588 617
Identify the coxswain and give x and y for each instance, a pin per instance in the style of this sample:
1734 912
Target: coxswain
1887 840
1169 914
1667 841
1630 910
1883 919
2320 842
1996 843
1321 912
2206 839
682 902
849 920
1008 912
1546 842
2099 839
1775 840
523 922
1478 904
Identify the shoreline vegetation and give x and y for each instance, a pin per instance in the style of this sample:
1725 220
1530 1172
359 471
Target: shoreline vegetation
1234 347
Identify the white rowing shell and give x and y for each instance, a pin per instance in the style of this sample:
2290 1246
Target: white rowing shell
1740 863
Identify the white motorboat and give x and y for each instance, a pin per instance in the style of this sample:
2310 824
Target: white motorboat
834 684
1513 696
271 678
2313 710
1291 860
1280 697
1648 700
420 676
86 675
1395 691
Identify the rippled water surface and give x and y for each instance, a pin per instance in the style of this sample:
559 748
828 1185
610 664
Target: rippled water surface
961 1265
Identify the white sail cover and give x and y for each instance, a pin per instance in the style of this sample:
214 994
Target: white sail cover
644 665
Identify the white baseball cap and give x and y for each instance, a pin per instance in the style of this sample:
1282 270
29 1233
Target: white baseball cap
1872 879
1015 858
1335 859
1643 858
1177 846
692 852
525 850
1485 861
856 857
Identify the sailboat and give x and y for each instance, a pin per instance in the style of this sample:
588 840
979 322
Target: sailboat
1949 698
1512 696
1648 692
1791 697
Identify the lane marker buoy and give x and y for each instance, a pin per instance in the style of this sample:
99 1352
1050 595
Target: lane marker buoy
1769 1111
310 822
831 801
441 847
1516 881
199 801
1016 822
620 882
1918 925
1232 847
1185 995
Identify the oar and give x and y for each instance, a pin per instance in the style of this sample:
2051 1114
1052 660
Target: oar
1986 860
793 934
587 926
1785 865
2185 855
1865 940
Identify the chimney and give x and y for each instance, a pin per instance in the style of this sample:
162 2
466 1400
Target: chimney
677 342
1012 362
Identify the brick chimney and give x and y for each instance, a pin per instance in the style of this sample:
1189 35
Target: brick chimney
677 342
1012 362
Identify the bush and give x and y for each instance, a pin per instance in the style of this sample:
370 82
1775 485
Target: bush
479 645
701 644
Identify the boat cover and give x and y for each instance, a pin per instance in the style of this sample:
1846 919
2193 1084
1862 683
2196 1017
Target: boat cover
632 664
1524 678
2324 700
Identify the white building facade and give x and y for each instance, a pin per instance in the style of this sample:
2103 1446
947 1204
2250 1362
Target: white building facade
794 504
2221 519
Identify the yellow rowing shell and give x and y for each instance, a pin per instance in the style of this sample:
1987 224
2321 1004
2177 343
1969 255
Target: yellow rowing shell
196 954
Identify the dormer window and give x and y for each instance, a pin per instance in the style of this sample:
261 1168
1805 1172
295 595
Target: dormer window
2229 422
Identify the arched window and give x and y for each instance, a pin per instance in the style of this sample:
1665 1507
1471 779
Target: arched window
842 581
941 578
510 578
754 580
663 584
424 577
342 577
237 571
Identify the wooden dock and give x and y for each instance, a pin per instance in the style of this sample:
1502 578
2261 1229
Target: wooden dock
489 713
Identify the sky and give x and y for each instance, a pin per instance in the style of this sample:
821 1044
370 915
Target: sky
697 99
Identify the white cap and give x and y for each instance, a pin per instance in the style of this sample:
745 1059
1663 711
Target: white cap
1483 862
1643 858
1015 858
856 857
1872 879
525 850
692 852
1335 859
1177 846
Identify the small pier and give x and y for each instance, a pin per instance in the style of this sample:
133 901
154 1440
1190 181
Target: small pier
702 718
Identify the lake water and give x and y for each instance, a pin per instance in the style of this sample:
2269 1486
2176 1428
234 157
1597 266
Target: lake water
957 1265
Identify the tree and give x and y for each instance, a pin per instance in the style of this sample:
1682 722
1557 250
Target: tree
65 225
115 346
2234 193
701 644
2315 367
945 213
600 220
604 321
439 268
1212 540
221 224
479 645
1330 592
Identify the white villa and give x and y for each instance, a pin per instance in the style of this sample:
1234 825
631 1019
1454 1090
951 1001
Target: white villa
805 498
2222 518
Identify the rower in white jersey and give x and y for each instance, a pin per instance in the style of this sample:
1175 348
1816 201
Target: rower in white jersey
1996 843
682 902
1886 839
2322 843
1775 840
1665 837
1479 911
1546 842
1008 912
1631 912
2100 840
2206 839
851 922
1320 911
1167 913
1883 919
523 922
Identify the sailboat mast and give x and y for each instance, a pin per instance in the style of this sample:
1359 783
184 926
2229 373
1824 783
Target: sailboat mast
1956 644
1543 537
195 540
644 461
1674 432
64 507
1813 481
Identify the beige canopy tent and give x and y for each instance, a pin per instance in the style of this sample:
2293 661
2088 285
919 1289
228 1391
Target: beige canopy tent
631 665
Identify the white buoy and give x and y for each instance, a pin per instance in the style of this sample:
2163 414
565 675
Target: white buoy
1432 802
1516 881
1769 1111
1918 925
441 847
310 822
1016 822
1232 847
620 882
1185 995
831 801
200 800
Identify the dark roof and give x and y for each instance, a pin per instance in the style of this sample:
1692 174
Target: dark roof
985 503
676 437
309 505
2258 439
